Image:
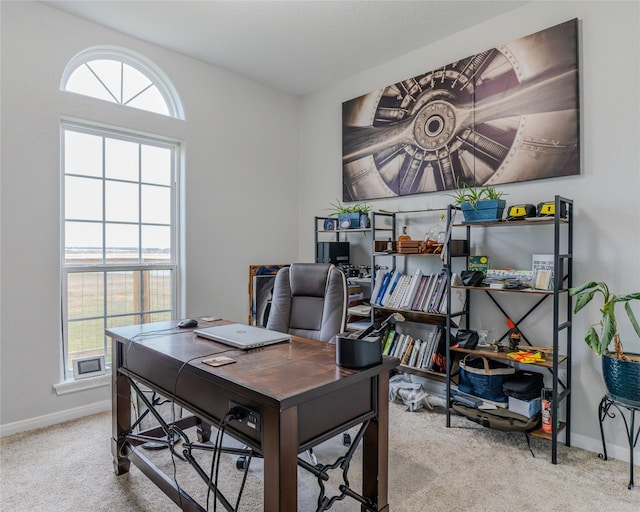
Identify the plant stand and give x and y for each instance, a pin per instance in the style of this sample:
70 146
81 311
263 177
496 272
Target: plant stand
604 412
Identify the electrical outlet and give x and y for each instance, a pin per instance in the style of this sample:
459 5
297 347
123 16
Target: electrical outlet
251 418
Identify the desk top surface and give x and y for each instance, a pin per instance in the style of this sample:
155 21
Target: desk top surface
281 372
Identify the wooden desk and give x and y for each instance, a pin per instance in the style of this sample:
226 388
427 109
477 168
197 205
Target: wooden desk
302 396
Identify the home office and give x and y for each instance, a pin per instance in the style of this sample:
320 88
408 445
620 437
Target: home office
291 174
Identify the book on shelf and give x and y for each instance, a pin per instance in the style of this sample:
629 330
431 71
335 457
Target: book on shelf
508 278
420 356
399 345
429 294
479 263
388 342
403 288
391 286
542 269
434 338
412 289
417 300
436 294
383 288
379 278
406 354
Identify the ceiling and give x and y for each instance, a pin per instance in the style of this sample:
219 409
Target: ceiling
294 46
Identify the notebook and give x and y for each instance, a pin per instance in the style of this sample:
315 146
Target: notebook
242 336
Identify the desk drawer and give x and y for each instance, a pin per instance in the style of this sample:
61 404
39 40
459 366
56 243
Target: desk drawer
333 413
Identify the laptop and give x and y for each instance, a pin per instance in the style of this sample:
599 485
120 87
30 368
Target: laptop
242 336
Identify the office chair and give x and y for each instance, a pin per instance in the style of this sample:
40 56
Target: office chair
309 300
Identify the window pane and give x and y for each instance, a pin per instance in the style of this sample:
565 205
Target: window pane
86 338
157 317
109 72
121 201
158 286
156 204
123 293
83 81
156 165
83 242
121 160
122 321
85 294
82 198
122 243
150 100
156 243
132 82
82 154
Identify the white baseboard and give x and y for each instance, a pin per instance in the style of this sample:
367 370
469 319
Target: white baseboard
614 451
53 418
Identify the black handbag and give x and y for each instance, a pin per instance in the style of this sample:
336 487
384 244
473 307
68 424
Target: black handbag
472 277
466 338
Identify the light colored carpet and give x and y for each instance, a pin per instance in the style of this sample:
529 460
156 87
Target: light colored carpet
68 467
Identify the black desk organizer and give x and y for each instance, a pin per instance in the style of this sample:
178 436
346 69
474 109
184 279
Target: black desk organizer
603 412
354 353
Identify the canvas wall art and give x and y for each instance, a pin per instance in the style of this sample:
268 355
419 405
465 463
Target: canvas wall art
504 115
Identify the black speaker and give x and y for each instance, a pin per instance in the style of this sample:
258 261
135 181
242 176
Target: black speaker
333 252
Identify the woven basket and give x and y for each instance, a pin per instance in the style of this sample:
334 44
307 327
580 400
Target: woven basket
622 379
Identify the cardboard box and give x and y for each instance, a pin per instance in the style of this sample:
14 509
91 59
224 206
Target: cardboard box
526 408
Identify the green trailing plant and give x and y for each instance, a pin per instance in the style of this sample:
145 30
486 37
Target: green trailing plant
360 207
600 335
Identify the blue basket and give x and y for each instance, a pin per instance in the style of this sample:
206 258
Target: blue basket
484 211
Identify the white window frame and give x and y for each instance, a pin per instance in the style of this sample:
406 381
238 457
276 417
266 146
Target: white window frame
67 268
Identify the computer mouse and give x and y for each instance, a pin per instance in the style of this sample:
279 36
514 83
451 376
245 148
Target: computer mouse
188 322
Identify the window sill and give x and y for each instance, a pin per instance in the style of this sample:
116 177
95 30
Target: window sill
73 386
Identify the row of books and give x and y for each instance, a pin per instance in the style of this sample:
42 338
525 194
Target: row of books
415 292
412 351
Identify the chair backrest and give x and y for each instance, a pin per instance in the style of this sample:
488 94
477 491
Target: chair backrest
309 300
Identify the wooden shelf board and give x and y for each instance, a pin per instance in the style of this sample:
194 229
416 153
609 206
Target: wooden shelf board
511 223
416 316
547 435
530 291
503 356
422 372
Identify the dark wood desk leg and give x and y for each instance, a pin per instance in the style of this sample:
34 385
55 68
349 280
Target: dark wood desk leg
120 410
375 454
204 432
280 444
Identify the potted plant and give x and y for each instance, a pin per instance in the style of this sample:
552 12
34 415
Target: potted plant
479 205
621 371
351 216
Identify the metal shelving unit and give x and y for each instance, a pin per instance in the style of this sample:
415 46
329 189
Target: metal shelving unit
560 315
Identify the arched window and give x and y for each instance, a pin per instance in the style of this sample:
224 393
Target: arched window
121 76
120 204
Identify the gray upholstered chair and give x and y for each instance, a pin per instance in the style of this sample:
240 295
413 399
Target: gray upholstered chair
309 300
